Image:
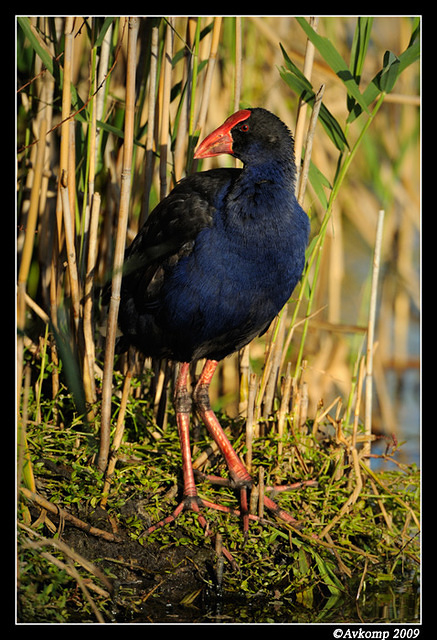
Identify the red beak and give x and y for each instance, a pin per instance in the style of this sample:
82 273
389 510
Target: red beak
220 141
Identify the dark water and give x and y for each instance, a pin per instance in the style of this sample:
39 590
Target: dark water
396 604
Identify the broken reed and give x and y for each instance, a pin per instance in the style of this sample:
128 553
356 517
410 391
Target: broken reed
146 135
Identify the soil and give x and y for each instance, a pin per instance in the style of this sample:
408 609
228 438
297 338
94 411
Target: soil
152 583
148 581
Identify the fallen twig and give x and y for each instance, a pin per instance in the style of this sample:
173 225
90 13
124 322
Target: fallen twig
76 522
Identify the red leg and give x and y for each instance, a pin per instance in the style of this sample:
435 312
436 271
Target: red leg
183 408
240 477
190 498
238 472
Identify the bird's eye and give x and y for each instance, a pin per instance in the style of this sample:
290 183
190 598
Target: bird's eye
244 127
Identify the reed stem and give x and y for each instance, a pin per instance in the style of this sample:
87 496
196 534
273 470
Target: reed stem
371 333
165 108
120 244
303 107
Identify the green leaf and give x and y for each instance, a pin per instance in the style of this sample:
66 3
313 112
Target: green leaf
306 93
390 72
333 128
295 70
304 566
70 361
360 45
319 182
358 52
105 26
327 574
47 61
408 57
35 41
296 80
334 60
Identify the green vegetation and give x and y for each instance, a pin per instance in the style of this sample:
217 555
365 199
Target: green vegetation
374 543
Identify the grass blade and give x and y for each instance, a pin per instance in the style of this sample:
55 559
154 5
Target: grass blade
358 52
329 122
335 61
374 88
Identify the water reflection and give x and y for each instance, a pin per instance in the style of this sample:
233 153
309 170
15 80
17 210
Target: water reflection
390 604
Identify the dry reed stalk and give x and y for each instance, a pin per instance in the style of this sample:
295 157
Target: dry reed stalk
215 40
260 395
149 156
303 177
37 309
359 387
250 418
65 126
193 36
352 498
120 244
47 231
71 171
105 50
323 412
32 218
91 151
54 298
244 372
284 408
180 160
254 497
58 511
303 409
26 255
71 254
371 332
274 360
89 350
261 492
164 103
238 65
118 434
303 107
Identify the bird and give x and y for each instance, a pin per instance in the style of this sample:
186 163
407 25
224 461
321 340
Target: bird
209 271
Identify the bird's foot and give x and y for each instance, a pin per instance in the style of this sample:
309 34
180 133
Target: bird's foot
262 499
194 503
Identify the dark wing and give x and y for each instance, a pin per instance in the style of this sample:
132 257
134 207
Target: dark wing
169 234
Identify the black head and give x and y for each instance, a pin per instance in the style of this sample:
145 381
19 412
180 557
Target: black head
255 136
261 137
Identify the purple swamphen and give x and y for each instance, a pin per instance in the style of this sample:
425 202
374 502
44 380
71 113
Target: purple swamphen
210 269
